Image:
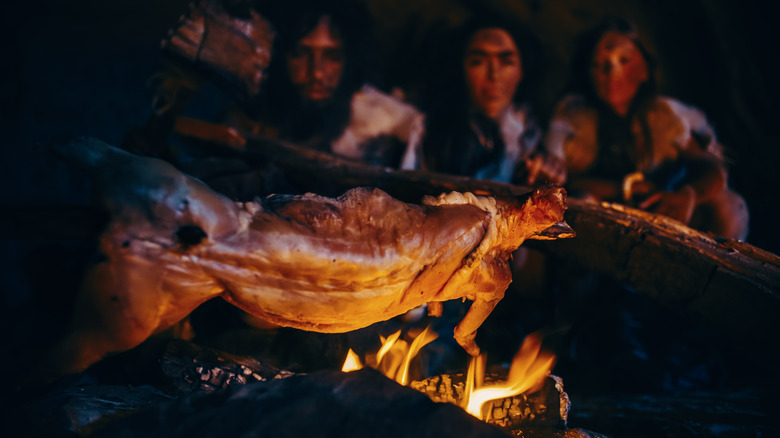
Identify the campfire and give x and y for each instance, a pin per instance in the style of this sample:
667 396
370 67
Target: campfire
517 399
521 398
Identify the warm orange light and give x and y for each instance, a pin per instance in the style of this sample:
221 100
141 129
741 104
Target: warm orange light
394 356
387 344
529 368
352 363
419 342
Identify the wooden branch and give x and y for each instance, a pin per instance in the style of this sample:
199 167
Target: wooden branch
731 287
318 171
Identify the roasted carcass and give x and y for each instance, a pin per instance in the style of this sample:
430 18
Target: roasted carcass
309 262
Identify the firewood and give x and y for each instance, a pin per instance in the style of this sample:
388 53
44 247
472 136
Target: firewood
546 408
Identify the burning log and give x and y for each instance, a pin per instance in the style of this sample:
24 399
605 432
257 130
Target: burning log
546 408
308 262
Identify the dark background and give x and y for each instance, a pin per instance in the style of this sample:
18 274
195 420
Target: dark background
81 68
77 68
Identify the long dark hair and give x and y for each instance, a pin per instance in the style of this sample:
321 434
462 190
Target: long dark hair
447 85
581 81
294 19
446 100
613 129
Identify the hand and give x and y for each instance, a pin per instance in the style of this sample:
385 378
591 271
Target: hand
637 190
678 204
545 168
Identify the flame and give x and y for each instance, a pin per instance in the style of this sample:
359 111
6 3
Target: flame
352 362
419 342
529 368
394 357
387 344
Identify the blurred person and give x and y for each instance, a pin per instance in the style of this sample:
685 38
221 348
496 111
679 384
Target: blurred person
316 90
478 123
623 142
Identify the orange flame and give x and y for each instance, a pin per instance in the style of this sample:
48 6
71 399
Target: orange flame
394 356
352 362
529 368
419 342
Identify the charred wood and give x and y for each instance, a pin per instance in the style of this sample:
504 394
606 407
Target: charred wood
198 369
325 403
546 408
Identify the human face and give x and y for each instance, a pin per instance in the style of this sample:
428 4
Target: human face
493 69
617 71
316 63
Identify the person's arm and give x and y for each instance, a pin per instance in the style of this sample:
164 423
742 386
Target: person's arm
706 178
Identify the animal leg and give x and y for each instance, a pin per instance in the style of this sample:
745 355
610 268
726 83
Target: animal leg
466 330
488 283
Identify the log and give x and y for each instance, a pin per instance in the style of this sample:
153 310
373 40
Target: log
546 408
317 171
324 403
731 287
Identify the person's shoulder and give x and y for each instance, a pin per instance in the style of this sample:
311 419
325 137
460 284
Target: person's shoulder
678 109
368 100
692 121
375 114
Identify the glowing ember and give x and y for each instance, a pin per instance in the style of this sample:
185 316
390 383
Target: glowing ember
529 368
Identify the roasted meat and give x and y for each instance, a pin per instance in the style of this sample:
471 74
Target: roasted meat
309 262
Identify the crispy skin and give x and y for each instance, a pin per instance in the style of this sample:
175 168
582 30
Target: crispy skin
309 262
